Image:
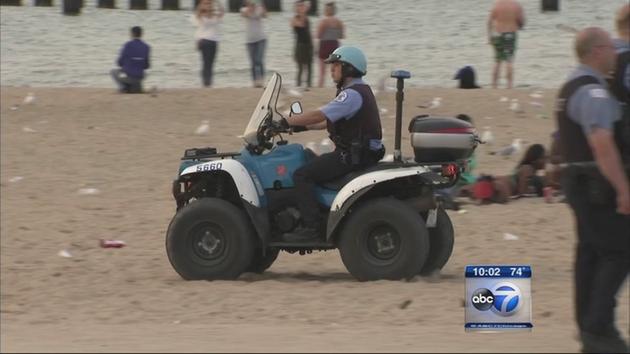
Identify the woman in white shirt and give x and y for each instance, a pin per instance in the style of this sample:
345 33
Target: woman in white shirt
208 17
253 12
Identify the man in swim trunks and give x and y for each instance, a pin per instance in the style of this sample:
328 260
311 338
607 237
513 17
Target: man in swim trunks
506 18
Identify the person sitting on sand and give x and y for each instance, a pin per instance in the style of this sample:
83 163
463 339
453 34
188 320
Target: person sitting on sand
467 78
133 61
467 177
554 174
522 182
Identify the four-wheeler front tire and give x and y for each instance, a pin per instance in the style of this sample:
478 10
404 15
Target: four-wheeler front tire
384 239
442 239
261 263
210 239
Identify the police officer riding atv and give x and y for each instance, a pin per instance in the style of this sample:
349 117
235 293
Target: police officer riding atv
236 211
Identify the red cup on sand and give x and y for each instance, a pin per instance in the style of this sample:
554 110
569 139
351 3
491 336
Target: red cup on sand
112 243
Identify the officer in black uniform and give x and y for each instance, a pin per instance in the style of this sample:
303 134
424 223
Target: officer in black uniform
353 124
596 184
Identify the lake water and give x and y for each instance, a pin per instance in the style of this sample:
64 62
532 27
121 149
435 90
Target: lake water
430 38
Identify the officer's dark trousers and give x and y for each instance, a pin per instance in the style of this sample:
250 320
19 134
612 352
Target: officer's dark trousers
323 168
601 266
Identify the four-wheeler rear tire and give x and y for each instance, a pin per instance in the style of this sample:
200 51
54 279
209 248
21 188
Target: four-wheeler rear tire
442 239
210 239
261 263
384 239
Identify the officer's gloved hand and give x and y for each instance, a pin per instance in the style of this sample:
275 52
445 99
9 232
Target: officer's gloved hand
284 124
299 128
280 125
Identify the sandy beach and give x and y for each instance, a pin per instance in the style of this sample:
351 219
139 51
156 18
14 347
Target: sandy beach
128 147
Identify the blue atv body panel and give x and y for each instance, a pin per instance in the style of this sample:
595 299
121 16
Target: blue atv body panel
275 169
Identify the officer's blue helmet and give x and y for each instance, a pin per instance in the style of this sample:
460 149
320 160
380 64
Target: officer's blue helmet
351 55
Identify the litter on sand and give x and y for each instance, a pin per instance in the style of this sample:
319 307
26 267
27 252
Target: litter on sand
88 191
112 243
294 93
64 254
30 98
203 129
509 237
16 179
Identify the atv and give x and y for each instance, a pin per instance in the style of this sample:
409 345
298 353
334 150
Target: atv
386 221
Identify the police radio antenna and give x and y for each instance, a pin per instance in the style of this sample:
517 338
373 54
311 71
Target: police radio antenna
400 76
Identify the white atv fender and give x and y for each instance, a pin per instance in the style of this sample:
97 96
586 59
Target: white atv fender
362 184
249 188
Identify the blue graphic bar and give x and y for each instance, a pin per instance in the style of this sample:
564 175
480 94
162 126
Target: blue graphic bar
498 271
498 325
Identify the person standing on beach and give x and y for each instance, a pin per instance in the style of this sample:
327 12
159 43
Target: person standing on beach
303 42
506 19
597 186
133 61
253 12
208 17
329 32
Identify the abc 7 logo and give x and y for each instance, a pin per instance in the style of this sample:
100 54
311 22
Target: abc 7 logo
504 299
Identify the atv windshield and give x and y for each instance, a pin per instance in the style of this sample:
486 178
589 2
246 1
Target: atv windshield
263 111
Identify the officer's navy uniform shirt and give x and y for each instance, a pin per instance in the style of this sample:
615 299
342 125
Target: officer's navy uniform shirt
593 105
346 105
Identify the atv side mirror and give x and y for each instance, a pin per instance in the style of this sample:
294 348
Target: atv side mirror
296 108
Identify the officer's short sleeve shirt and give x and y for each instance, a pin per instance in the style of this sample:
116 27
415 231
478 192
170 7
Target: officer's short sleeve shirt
592 106
345 105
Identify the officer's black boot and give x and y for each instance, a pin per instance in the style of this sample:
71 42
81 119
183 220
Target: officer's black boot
302 234
596 343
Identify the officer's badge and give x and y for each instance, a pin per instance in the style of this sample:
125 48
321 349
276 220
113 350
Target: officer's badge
341 97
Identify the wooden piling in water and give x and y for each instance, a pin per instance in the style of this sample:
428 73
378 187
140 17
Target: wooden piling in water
273 5
10 2
106 4
72 7
233 5
137 4
314 8
43 3
550 5
170 4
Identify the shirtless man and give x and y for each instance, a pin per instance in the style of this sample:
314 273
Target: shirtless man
506 18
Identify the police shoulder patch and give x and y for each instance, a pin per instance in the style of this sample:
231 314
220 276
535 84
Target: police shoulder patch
341 97
598 93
